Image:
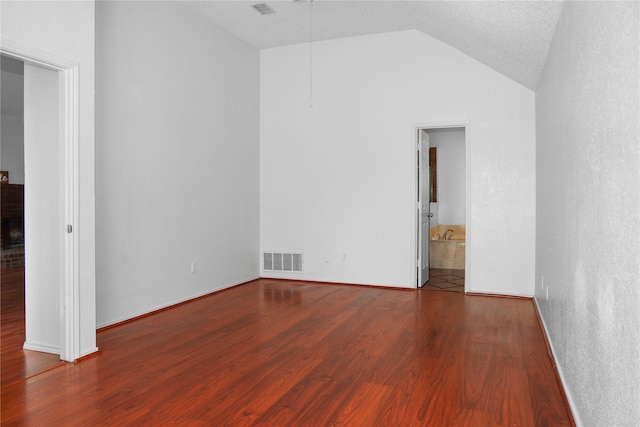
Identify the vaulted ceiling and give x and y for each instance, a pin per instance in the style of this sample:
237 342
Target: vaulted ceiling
512 37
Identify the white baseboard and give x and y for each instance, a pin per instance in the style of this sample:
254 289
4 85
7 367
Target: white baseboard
86 353
41 347
567 392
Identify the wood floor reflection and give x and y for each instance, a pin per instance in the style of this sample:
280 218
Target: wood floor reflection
282 353
18 364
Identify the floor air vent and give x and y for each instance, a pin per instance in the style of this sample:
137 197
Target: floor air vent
277 261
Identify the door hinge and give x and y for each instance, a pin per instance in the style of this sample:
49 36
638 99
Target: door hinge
69 228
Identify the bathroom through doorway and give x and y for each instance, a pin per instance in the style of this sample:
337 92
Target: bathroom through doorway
447 229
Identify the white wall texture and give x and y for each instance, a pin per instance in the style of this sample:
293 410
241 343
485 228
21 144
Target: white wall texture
588 222
451 171
177 136
66 29
337 181
12 121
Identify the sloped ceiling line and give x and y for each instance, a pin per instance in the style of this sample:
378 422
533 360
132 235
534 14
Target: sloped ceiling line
512 37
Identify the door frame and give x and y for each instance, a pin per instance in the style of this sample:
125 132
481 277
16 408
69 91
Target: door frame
69 124
415 128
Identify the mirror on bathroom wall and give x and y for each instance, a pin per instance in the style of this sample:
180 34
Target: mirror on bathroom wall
434 175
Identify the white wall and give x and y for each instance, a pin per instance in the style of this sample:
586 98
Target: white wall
588 221
451 173
66 29
44 210
337 181
12 122
177 147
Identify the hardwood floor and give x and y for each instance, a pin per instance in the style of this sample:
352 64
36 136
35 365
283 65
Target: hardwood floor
18 364
282 353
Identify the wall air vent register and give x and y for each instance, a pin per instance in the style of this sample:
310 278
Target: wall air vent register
282 261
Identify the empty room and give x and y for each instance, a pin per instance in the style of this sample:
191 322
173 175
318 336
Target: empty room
318 212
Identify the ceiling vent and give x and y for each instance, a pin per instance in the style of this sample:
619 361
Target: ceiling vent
263 8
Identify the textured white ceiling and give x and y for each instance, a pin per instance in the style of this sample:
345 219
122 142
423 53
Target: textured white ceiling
512 37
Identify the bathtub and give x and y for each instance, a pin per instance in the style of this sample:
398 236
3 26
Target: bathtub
447 247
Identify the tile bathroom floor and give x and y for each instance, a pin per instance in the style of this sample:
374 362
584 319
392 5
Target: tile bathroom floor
445 280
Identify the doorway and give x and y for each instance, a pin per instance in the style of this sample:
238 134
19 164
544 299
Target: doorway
25 319
50 121
444 171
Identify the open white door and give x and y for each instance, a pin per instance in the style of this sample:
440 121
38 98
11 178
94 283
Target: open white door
424 214
43 209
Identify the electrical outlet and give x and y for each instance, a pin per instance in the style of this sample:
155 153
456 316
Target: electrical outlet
194 266
344 257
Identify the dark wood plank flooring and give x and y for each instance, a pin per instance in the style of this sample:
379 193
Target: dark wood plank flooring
18 364
281 353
